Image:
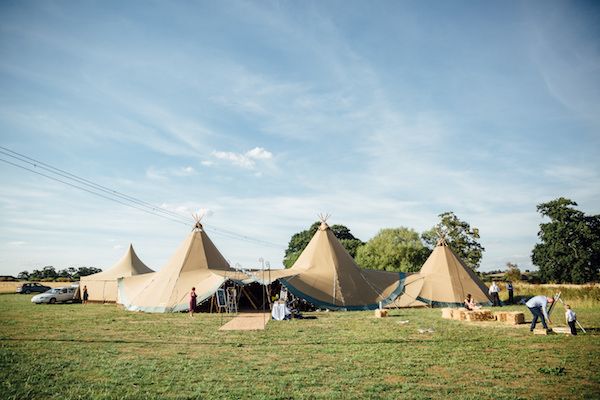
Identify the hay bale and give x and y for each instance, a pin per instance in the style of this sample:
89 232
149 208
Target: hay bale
515 318
381 313
562 329
501 316
542 332
459 314
479 315
447 313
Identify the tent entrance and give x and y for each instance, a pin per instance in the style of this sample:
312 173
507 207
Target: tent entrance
253 297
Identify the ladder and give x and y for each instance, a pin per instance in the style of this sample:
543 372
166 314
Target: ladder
232 306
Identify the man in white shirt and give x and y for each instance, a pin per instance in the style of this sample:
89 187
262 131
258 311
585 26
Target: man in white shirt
493 291
538 306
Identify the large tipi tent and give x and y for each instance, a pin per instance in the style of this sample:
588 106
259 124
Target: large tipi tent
103 285
327 276
447 280
197 263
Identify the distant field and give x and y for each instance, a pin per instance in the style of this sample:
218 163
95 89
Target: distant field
575 295
74 351
11 287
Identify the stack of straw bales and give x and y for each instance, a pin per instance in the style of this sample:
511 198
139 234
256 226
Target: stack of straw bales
480 315
510 317
454 313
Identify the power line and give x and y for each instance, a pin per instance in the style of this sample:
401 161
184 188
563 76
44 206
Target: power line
89 191
88 183
113 195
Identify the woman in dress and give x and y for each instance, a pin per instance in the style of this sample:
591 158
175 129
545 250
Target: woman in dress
85 295
193 296
470 303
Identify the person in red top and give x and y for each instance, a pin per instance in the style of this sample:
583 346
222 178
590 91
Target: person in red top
193 296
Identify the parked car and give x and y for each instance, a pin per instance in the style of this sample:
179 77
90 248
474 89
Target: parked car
56 295
35 287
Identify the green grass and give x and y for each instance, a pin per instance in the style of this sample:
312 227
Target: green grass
103 352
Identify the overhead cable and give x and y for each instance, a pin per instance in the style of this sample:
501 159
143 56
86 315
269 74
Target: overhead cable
106 193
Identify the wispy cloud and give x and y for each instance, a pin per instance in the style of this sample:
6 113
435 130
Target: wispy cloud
246 160
165 173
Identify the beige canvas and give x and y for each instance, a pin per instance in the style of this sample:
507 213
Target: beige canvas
447 280
103 285
196 263
327 276
412 290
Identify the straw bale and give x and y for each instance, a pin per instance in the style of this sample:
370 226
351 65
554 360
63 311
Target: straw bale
479 315
447 313
515 318
501 316
459 314
381 313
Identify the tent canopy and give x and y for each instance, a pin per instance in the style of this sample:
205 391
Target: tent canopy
196 263
447 280
327 276
103 285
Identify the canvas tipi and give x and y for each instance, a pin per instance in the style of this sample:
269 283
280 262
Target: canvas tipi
102 287
328 277
447 280
197 263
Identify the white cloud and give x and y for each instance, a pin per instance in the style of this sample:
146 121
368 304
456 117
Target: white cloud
164 173
184 171
207 163
245 160
258 153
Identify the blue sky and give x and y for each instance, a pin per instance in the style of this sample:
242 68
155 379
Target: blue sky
266 114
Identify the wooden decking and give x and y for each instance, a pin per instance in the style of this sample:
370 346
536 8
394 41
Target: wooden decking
247 322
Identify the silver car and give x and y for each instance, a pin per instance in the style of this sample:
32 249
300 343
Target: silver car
60 295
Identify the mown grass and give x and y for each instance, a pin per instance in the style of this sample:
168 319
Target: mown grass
103 352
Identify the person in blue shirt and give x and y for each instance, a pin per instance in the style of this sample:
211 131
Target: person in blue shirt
538 306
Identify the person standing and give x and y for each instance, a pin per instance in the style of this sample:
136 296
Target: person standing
493 291
86 296
538 306
509 287
571 319
193 297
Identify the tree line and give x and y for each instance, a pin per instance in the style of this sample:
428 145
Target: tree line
49 273
568 252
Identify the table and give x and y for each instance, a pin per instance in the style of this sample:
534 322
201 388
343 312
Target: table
280 311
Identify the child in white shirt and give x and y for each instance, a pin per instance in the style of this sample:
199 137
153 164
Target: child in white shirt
571 319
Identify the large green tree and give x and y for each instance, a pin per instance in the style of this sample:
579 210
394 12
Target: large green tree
569 251
397 249
459 235
300 240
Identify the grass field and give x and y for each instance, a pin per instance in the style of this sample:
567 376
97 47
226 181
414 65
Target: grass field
74 351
